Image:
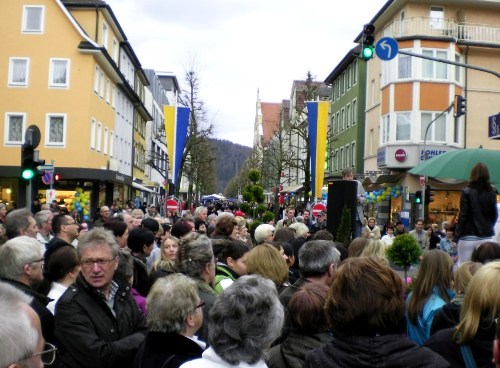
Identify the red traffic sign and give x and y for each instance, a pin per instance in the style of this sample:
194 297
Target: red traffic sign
172 205
47 177
317 208
422 180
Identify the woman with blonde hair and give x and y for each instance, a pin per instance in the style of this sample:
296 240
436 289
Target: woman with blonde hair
430 292
265 260
371 230
376 248
472 340
165 262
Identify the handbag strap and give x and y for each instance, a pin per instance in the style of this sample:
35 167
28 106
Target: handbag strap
467 355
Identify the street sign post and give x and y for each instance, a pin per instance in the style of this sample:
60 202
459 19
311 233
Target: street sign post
387 48
172 205
317 208
48 168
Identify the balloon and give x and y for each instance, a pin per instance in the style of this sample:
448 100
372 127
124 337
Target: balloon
79 190
85 212
85 218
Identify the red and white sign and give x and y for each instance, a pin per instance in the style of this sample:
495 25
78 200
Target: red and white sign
172 205
422 180
400 155
317 208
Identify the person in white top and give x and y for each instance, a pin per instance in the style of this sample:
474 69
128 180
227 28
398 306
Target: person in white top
388 238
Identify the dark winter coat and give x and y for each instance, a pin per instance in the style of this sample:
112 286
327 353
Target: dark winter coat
481 346
292 352
39 304
285 297
166 350
478 213
90 335
447 317
206 295
388 351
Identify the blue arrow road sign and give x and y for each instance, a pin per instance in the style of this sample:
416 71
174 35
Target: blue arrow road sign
387 48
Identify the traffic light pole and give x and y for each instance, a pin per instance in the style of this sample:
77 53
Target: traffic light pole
424 183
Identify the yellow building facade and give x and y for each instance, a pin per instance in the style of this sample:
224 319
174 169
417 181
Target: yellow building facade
69 69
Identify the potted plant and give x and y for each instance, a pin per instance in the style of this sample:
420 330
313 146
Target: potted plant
344 231
404 252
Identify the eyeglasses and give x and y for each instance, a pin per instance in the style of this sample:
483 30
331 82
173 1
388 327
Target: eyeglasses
200 305
38 260
48 355
89 263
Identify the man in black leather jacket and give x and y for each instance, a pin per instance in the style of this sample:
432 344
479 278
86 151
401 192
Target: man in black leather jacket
97 320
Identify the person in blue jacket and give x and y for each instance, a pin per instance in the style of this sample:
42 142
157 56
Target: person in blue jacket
432 290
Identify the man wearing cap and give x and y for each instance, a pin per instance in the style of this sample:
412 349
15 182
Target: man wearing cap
320 222
400 229
151 212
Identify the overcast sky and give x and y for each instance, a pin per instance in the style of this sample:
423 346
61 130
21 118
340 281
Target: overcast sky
240 46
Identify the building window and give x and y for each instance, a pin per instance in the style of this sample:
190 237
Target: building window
348 115
337 122
55 131
99 137
14 128
354 71
437 17
386 128
347 156
18 72
353 154
437 131
93 128
404 66
336 161
96 79
341 159
105 35
111 143
354 112
433 69
108 91
115 51
403 126
101 84
106 138
458 69
342 118
33 17
59 73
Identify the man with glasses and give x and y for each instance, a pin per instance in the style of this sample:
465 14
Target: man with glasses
43 221
21 262
97 320
21 335
66 230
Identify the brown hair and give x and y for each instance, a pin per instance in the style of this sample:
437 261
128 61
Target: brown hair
284 234
365 299
307 308
225 225
265 260
480 177
434 272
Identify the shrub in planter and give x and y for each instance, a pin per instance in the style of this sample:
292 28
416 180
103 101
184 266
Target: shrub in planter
404 252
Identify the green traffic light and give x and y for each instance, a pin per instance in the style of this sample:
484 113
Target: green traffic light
368 52
28 174
418 200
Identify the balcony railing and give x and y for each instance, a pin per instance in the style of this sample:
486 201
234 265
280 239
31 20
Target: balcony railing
433 27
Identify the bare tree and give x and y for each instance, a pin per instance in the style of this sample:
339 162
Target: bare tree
197 153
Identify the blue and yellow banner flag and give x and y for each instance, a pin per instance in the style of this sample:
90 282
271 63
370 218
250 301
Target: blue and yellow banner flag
317 113
176 127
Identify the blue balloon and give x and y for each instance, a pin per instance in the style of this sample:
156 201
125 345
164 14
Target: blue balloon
79 209
86 218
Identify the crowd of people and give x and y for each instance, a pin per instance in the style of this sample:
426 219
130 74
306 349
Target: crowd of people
134 289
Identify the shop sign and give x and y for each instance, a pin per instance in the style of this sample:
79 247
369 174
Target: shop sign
119 177
400 155
427 154
494 126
